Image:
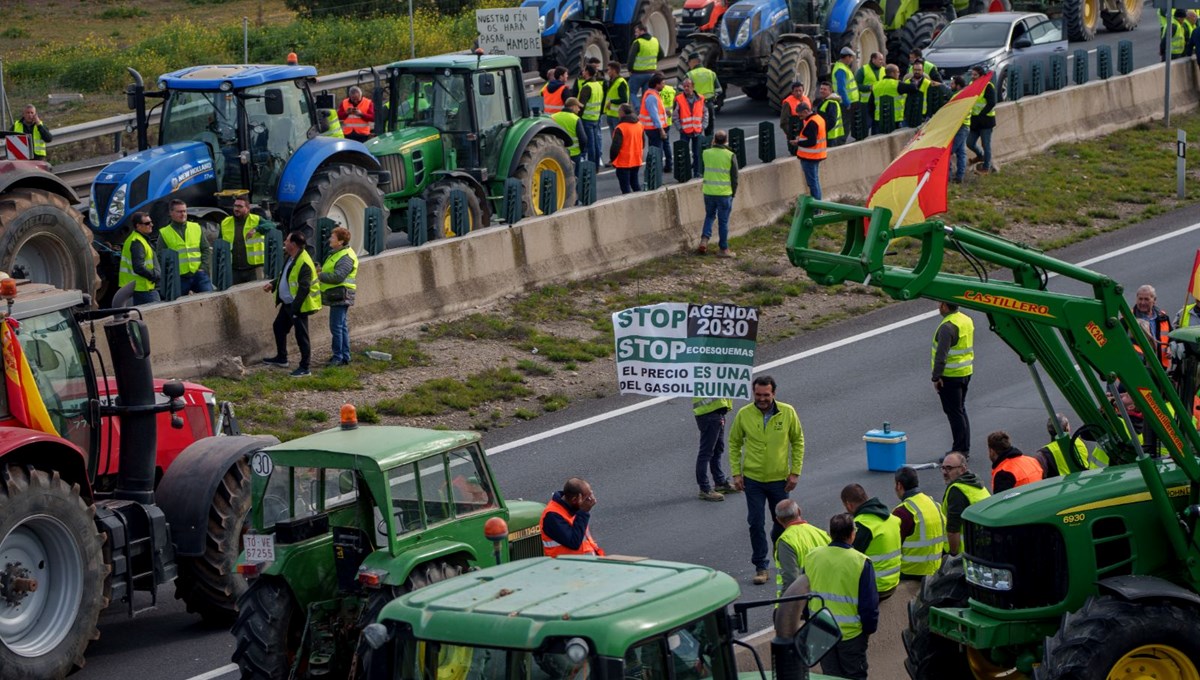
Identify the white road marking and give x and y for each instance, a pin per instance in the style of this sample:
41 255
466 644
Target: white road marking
216 672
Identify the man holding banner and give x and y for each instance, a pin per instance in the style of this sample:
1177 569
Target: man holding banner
766 452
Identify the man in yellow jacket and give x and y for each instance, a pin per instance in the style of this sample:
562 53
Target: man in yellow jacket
766 452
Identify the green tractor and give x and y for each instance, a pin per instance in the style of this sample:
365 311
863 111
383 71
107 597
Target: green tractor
1093 574
345 520
578 618
463 122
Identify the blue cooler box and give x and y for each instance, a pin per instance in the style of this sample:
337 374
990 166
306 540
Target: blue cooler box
886 451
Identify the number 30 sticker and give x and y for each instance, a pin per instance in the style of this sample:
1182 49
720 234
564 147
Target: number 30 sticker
261 464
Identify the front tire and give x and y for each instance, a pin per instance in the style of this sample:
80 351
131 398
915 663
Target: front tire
267 631
545 152
789 61
578 46
342 193
931 656
1109 637
1081 18
44 239
48 536
209 584
1126 18
438 207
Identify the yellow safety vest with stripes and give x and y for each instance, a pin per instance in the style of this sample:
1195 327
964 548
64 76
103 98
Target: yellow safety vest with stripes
833 573
126 273
570 123
39 144
1060 460
974 494
646 58
803 538
851 83
311 303
255 243
1185 315
188 246
611 108
961 357
921 552
703 405
330 264
595 102
839 130
704 80
718 168
884 549
981 102
668 99
888 87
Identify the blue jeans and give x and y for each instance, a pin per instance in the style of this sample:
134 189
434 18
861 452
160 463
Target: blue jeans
637 83
718 207
145 297
629 179
973 143
197 282
712 448
694 144
592 130
812 177
758 493
655 138
960 152
339 327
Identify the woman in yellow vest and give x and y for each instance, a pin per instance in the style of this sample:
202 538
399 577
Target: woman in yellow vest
338 284
298 296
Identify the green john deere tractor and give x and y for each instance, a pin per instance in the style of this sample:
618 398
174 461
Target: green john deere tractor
462 122
1094 574
345 520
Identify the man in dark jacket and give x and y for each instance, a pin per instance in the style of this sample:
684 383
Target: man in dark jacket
298 297
962 489
1010 466
983 121
565 521
877 536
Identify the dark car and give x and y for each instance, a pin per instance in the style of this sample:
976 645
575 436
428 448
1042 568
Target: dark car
999 41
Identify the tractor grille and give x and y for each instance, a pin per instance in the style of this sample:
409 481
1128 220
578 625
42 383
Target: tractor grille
525 543
394 164
733 24
102 192
1036 555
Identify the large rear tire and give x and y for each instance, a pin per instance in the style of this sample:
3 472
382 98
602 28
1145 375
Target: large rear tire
581 44
438 209
44 239
1081 18
916 33
864 35
707 52
1126 18
48 539
1110 637
545 152
209 584
659 20
789 61
342 193
930 656
267 631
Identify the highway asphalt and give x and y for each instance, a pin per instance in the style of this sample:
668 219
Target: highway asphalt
639 454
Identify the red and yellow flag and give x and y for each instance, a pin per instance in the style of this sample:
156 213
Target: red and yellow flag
1194 281
913 186
24 401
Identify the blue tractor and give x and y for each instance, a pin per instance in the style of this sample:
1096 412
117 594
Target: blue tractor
574 31
235 128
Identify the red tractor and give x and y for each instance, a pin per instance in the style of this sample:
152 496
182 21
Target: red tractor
109 484
700 16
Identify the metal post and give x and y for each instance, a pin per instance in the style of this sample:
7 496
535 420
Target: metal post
374 242
222 265
412 32
4 118
417 222
548 192
1167 51
245 40
766 141
1180 163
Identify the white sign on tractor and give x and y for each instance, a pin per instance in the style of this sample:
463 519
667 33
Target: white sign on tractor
510 30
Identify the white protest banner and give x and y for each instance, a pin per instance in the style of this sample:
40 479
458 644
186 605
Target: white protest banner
686 350
511 30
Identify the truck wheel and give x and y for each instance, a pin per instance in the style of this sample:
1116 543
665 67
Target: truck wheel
52 575
789 61
1113 638
707 52
573 51
864 35
342 193
659 20
267 631
1126 18
437 202
931 656
209 584
1081 17
916 33
546 153
982 6
44 239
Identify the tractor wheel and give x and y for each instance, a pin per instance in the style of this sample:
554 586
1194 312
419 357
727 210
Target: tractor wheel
657 17
342 193
707 52
1126 18
209 584
984 6
44 239
1113 638
437 206
789 61
930 656
573 51
1081 17
52 574
916 33
267 631
545 152
864 35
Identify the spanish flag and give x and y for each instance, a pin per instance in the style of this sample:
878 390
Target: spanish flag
1194 281
24 401
913 186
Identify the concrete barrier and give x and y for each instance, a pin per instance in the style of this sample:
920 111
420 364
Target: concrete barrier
401 287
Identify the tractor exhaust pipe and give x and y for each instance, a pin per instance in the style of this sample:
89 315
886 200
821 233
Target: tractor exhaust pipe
129 345
135 98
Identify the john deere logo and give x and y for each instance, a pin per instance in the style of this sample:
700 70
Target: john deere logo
1096 333
1005 302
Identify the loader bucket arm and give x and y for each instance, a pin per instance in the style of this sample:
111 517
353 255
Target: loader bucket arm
1085 344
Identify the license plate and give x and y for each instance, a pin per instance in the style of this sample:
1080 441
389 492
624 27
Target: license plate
259 547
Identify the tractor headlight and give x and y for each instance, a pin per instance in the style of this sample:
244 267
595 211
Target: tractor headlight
724 34
93 215
992 578
116 207
743 34
541 23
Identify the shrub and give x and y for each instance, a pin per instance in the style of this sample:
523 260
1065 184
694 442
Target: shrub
123 12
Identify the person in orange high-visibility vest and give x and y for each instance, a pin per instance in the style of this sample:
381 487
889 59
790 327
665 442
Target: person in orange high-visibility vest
554 91
811 147
565 521
625 153
356 114
1010 467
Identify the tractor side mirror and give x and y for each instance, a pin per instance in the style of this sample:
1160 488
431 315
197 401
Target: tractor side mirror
325 101
139 338
487 84
816 637
274 101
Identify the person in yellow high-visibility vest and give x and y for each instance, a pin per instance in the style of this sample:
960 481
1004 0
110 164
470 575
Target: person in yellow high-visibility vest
963 488
844 579
644 53
246 243
195 252
338 279
922 527
138 265
798 539
31 124
298 296
710 420
720 186
952 362
877 536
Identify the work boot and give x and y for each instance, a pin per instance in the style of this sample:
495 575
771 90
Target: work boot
725 488
703 249
727 253
760 577
711 496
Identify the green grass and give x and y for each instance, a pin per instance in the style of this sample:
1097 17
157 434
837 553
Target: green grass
123 12
441 395
405 352
480 327
554 402
536 368
562 350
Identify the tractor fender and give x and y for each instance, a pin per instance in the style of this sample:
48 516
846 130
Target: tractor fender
25 447
843 11
521 134
30 175
470 180
400 566
801 38
314 154
187 488
1133 588
625 11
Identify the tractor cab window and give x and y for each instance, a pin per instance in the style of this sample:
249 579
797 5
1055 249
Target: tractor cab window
277 122
427 660
690 652
469 487
413 99
56 358
493 92
208 117
299 492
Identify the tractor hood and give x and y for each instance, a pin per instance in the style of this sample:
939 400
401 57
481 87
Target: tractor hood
551 13
127 185
737 26
411 155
